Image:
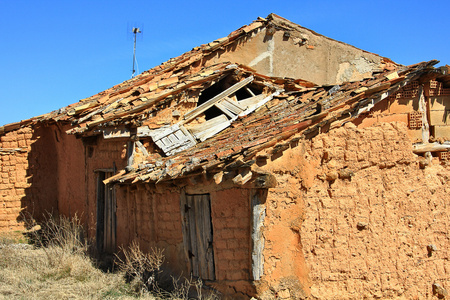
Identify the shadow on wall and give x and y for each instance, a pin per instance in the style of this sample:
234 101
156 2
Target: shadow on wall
42 176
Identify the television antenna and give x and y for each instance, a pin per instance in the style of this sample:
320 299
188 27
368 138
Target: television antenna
135 31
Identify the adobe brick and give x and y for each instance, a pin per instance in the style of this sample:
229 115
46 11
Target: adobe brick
21 173
221 244
241 254
236 264
226 233
241 234
243 223
21 193
233 223
237 275
13 144
13 204
5 187
232 244
227 254
242 213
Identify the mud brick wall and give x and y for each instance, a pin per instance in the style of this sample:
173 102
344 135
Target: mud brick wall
154 221
231 219
230 213
99 154
14 149
370 215
152 217
354 216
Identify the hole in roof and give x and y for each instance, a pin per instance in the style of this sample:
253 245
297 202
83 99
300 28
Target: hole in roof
210 93
221 86
135 93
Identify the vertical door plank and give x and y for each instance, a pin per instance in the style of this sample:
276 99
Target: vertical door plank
201 234
197 234
193 236
208 235
185 227
114 219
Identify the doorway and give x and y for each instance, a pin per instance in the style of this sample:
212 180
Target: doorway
198 234
106 215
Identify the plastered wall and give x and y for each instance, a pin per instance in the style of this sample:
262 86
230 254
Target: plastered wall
319 60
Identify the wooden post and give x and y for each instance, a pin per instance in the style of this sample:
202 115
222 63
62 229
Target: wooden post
130 152
258 199
423 109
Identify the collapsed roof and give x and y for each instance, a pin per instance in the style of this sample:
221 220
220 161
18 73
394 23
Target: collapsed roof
143 92
275 126
254 113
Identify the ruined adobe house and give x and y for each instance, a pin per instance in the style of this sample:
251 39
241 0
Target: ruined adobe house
274 163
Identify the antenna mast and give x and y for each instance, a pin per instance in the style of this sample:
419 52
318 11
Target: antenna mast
135 30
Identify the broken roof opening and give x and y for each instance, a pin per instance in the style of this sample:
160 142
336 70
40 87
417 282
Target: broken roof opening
208 94
214 90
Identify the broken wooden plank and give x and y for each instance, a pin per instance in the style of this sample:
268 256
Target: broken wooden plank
143 131
142 148
80 108
242 178
114 177
432 147
423 109
377 88
159 133
250 91
251 101
117 132
232 106
208 104
211 131
260 103
187 134
130 152
208 124
225 110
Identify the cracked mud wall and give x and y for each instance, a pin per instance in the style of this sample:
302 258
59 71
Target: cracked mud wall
355 216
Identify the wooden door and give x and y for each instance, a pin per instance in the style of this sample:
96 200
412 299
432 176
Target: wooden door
198 234
106 215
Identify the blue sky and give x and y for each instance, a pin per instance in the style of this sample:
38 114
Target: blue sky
54 53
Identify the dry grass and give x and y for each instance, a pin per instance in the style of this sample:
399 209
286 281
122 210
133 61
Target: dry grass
28 274
57 266
143 270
